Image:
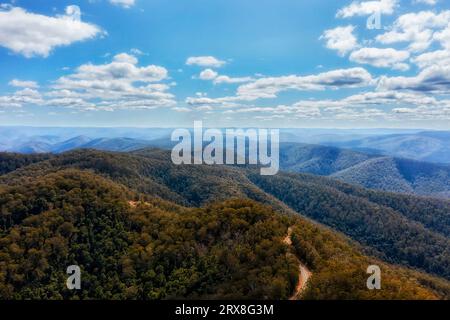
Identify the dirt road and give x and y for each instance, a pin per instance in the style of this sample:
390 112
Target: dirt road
303 272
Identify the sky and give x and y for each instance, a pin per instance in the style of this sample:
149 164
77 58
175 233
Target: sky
228 63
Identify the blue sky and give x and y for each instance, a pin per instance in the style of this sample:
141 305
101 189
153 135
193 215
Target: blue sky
284 63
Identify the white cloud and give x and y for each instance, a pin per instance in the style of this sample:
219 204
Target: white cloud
381 58
433 79
270 87
417 29
208 74
429 2
205 61
136 52
266 88
33 34
386 105
438 57
21 98
444 36
23 84
230 80
382 98
126 58
365 8
116 76
181 109
123 3
121 84
340 39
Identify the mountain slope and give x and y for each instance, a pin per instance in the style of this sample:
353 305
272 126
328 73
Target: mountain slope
12 161
117 144
154 249
404 229
370 171
392 227
70 144
319 160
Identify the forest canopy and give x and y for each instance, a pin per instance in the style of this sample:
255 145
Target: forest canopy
159 240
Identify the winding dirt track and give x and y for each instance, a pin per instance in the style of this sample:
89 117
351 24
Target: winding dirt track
303 272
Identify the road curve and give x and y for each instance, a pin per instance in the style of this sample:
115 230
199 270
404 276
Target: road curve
303 272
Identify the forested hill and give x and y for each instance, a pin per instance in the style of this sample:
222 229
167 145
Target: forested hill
153 249
165 231
368 170
12 161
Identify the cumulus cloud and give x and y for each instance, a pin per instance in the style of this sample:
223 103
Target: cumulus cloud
21 98
434 79
443 36
23 84
365 8
368 100
386 105
269 87
340 39
115 76
31 34
229 80
123 3
208 74
119 84
381 58
429 2
382 98
126 58
205 61
438 57
417 29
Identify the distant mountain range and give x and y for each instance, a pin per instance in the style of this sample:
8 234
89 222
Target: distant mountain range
428 146
37 145
409 161
368 170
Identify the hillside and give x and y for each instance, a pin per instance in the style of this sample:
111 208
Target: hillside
401 229
363 169
134 246
12 161
370 171
408 230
